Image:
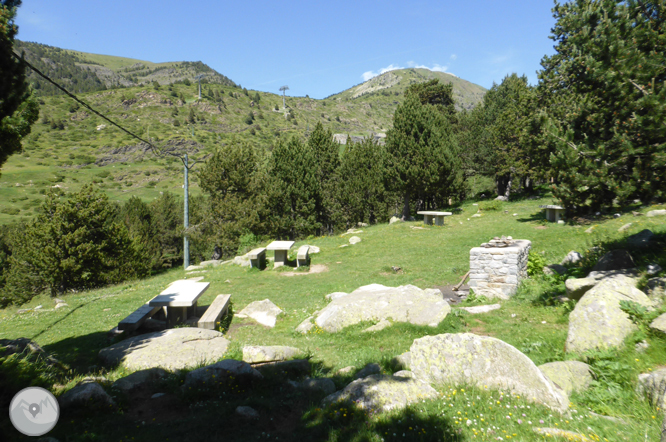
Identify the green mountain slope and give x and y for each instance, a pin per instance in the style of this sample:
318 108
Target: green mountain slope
82 72
393 84
69 146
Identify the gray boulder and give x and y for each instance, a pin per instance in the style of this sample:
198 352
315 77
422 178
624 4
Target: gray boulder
553 269
220 371
652 387
375 302
465 358
402 361
404 374
652 213
88 395
572 258
305 326
368 370
243 260
570 376
138 379
597 322
653 269
656 289
264 312
171 349
481 308
247 412
380 393
577 287
320 385
659 323
615 260
258 354
394 219
354 240
641 240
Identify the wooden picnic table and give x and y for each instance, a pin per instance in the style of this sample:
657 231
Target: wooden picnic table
428 217
281 249
177 298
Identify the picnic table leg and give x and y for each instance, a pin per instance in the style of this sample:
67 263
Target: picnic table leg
427 220
439 220
280 258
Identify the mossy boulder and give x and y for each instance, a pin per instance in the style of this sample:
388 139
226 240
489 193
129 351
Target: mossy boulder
465 358
652 387
570 376
597 322
257 354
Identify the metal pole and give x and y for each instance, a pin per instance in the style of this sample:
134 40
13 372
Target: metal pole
200 89
186 222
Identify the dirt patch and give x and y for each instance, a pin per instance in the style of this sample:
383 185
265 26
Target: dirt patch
453 297
541 227
317 268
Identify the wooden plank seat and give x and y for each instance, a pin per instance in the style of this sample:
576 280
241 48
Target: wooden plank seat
303 257
134 321
214 312
258 258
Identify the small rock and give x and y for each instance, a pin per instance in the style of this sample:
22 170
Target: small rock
156 395
216 372
61 305
641 240
642 346
345 370
653 269
490 293
58 301
568 435
502 198
247 412
193 267
515 214
89 395
381 325
257 354
138 379
617 215
625 227
305 326
636 213
313 249
560 221
589 230
652 213
652 386
360 224
354 240
572 258
481 308
264 312
404 374
554 268
394 219
476 215
368 370
344 245
615 260
570 376
659 324
323 385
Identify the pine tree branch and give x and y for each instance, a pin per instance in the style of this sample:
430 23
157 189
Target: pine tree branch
639 87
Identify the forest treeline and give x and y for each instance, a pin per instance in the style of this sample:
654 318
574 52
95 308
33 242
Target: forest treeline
592 129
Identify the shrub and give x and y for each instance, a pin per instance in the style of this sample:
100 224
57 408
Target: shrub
491 205
535 264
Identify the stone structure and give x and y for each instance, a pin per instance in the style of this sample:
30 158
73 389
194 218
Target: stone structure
499 264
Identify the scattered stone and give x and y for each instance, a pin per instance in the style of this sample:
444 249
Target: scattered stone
394 219
615 260
502 198
305 326
381 325
58 301
402 361
572 258
27 347
489 293
561 222
640 347
515 214
465 358
417 228
193 267
640 240
617 215
368 370
404 374
157 395
138 379
220 371
652 213
653 269
313 249
481 308
346 370
247 412
380 393
570 376
256 354
476 215
320 385
344 245
213 263
360 224
354 240
589 230
89 395
264 312
597 322
243 260
636 213
95 379
171 349
569 435
554 268
375 302
656 289
659 324
652 386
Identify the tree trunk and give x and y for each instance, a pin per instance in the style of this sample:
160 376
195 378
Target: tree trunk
405 207
504 185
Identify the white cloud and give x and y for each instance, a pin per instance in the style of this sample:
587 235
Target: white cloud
454 56
435 68
369 74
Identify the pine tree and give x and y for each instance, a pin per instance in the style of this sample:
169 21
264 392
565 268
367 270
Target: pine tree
327 157
605 90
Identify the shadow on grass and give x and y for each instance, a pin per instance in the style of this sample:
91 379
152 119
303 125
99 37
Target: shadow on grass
79 353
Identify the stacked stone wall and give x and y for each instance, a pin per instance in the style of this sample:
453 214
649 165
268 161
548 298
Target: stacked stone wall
500 268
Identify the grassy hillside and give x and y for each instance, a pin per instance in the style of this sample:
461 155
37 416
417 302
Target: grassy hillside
533 321
82 72
393 84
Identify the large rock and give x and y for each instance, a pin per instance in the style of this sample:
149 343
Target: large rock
659 323
138 379
652 213
394 219
656 289
465 358
264 312
641 240
379 393
652 386
171 349
375 302
88 396
257 354
615 260
597 322
220 371
243 260
570 376
572 258
577 287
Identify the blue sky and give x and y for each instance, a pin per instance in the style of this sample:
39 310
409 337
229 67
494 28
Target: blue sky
315 47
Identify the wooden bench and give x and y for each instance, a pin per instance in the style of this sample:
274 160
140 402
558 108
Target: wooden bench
303 257
134 321
214 312
258 258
